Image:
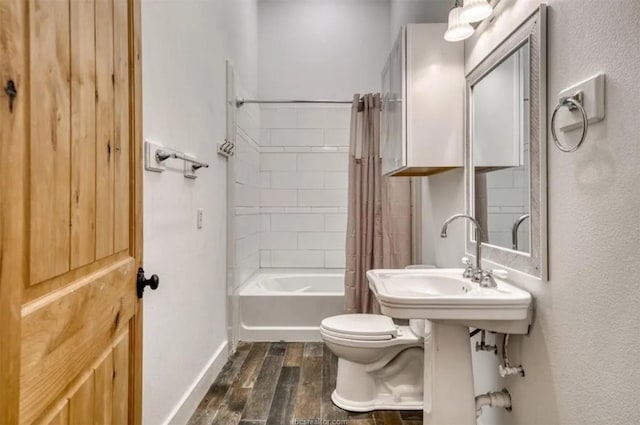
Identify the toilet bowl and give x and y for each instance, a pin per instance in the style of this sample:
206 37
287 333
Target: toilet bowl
380 364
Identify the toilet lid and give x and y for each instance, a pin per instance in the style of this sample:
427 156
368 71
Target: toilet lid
361 326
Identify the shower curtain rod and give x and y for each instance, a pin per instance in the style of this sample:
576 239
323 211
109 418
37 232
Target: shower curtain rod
241 101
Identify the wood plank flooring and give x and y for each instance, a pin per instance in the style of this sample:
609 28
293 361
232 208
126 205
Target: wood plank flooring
284 384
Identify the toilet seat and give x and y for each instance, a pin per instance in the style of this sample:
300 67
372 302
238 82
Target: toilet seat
366 331
362 327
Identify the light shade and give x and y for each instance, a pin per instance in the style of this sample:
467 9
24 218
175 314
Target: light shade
458 29
475 10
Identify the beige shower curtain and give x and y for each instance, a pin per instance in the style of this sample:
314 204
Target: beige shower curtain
379 209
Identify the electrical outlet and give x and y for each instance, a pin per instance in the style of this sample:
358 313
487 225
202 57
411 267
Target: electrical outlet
199 218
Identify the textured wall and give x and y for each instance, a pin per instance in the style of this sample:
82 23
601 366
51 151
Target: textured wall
326 49
581 355
185 44
416 11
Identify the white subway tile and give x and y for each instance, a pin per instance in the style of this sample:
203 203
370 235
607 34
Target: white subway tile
246 196
324 149
297 149
265 179
335 222
265 223
278 162
246 225
265 137
245 247
297 258
311 117
246 210
325 210
324 117
297 180
338 118
297 210
297 222
271 149
500 179
322 197
335 259
297 137
265 258
336 137
271 210
508 197
500 222
321 240
322 162
254 177
336 180
278 198
278 117
278 240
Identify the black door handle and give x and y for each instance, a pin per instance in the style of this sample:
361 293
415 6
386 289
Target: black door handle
153 282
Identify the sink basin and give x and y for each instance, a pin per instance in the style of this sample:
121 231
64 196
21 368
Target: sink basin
444 295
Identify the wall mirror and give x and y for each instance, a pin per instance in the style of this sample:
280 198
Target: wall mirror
506 150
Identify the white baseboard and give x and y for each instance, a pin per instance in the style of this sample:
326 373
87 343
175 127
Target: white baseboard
181 414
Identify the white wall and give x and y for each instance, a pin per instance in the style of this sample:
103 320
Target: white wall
312 49
303 201
185 44
327 49
581 355
415 12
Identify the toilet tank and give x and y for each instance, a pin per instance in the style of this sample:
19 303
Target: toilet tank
420 327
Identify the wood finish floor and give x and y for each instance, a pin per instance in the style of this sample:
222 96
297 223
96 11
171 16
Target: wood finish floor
284 384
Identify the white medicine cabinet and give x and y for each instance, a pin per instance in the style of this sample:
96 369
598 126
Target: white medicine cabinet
422 103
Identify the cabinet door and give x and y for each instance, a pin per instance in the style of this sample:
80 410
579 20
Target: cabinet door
393 137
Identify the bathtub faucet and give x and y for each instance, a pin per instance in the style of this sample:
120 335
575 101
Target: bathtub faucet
479 276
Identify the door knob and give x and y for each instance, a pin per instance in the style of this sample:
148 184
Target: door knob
153 282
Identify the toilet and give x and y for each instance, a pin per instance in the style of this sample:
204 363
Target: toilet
380 364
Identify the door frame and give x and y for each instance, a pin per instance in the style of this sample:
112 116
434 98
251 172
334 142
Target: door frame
14 201
136 211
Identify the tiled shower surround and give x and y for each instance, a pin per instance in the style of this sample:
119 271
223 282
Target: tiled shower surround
246 193
303 195
290 193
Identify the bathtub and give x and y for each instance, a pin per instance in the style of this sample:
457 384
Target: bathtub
289 305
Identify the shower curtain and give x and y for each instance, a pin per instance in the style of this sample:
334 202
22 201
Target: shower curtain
379 209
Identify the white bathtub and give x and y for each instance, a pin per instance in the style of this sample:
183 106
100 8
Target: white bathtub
289 305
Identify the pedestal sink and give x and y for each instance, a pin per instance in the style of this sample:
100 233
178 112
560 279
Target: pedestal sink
453 304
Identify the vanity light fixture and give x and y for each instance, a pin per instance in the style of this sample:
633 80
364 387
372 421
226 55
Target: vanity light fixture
463 14
475 10
458 29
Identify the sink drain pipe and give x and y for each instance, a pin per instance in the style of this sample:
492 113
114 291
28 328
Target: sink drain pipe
493 399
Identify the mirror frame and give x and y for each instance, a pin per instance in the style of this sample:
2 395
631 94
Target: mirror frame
533 31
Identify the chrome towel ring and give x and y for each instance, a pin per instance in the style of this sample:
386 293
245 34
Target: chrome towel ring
572 103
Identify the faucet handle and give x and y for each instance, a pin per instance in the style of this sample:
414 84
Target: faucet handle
488 280
469 270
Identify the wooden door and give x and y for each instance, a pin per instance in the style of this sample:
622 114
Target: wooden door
70 209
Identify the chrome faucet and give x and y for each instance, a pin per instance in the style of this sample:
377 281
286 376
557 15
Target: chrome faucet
479 276
514 231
